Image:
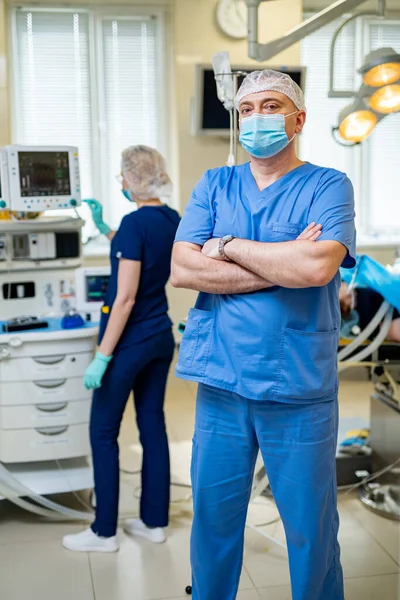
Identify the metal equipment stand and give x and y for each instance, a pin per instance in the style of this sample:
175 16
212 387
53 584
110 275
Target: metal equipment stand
383 496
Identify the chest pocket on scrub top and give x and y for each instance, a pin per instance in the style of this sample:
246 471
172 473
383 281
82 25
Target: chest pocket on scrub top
285 232
196 341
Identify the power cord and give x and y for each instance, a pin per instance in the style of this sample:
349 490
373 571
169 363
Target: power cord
127 472
371 477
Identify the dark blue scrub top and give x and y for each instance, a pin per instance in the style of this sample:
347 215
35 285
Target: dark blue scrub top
146 235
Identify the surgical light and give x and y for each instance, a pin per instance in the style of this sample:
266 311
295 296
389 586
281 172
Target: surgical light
377 97
386 99
381 67
356 122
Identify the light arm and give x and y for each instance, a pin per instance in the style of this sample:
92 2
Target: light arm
128 283
297 264
192 270
263 52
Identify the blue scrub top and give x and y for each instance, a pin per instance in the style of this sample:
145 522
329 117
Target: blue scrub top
276 344
146 235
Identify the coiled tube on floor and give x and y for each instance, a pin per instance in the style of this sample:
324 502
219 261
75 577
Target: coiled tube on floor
13 490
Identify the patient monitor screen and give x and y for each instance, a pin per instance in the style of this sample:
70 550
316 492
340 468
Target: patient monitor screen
44 174
96 287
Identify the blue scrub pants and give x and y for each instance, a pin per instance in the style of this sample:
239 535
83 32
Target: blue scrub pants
298 445
143 368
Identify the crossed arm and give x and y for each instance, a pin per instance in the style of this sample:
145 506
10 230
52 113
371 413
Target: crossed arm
193 270
298 264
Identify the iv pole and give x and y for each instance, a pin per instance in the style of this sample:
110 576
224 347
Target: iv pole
236 75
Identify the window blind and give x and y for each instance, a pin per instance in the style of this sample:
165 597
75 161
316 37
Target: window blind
131 97
101 105
381 172
316 143
52 73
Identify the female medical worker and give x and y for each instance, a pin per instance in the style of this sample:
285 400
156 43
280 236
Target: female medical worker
135 351
262 343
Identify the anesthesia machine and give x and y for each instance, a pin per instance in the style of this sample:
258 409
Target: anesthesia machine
45 345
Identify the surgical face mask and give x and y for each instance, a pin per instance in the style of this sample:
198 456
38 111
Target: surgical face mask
128 195
264 136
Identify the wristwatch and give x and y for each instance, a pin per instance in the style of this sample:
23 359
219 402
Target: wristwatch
222 243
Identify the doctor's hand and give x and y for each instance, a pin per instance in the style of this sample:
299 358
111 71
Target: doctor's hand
97 215
311 233
210 249
95 371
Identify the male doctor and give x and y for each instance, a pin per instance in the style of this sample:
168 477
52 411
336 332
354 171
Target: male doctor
262 343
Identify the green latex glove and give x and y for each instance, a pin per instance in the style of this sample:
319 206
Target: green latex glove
95 371
349 328
97 215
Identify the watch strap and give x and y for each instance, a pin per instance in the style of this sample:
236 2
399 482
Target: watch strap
221 246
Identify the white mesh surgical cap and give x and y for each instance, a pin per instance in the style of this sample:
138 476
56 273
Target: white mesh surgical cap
274 81
145 172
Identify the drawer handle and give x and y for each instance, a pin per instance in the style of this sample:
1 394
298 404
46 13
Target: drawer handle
51 383
49 360
52 430
53 407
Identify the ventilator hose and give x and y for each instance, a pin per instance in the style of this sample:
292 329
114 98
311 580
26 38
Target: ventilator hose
372 325
12 489
374 345
33 508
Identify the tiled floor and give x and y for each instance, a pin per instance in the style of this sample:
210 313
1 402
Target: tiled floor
34 566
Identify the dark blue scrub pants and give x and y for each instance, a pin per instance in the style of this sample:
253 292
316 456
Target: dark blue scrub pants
298 445
143 368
